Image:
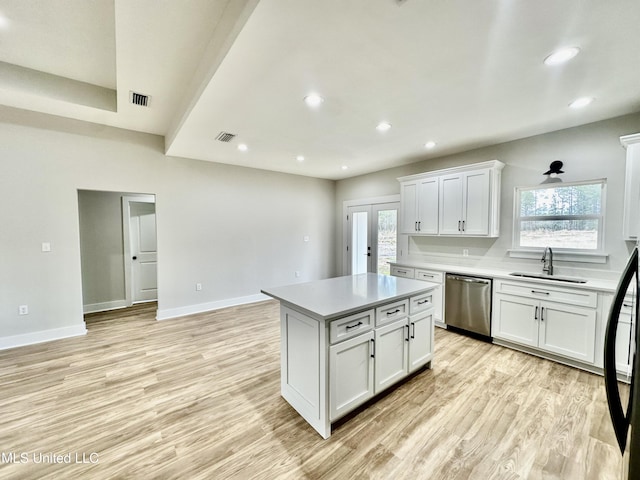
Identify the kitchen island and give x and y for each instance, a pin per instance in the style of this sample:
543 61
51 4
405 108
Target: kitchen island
346 339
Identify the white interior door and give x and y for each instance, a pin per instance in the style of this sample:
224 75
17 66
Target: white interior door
372 237
141 255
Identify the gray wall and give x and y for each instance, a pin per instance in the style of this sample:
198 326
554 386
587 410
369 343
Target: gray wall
588 152
235 230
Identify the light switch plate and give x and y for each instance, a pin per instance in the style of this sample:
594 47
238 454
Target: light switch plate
46 247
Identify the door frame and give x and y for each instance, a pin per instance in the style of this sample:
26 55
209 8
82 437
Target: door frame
126 239
371 201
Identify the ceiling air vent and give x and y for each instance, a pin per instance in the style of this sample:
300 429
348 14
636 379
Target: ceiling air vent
139 99
225 137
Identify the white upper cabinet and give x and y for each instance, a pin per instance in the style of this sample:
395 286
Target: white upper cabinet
631 215
419 199
456 201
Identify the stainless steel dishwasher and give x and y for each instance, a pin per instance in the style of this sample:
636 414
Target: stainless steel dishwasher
468 303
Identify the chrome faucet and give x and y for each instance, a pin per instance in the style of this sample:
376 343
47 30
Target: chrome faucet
547 266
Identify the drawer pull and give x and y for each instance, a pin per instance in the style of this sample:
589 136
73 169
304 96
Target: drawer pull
423 302
628 305
397 310
427 275
401 271
540 292
349 327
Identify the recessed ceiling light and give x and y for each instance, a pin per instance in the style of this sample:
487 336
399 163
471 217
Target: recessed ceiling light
4 21
344 167
561 56
430 144
242 147
300 158
581 102
313 100
383 126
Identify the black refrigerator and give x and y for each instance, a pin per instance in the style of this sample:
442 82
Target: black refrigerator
625 415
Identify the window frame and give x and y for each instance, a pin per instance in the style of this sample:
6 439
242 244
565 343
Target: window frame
517 219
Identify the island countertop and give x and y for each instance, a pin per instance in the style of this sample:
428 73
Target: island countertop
340 296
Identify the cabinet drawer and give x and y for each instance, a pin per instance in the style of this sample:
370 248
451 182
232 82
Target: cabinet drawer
402 272
350 326
391 312
429 275
585 298
420 303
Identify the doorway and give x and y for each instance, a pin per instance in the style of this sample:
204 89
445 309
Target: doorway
140 248
114 228
371 234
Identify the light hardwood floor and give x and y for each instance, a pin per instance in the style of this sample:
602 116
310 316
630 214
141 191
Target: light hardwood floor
198 398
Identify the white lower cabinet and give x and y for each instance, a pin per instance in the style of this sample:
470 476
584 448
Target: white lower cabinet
434 276
351 374
559 328
420 340
367 364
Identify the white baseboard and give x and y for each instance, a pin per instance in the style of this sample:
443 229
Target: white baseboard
42 336
169 313
104 306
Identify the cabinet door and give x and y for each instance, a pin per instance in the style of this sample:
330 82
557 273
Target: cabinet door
351 374
568 331
450 204
391 354
515 319
475 203
428 206
409 207
420 340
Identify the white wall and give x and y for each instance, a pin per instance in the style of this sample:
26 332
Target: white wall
235 230
588 152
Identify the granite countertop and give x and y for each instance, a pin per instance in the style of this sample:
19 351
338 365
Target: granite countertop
340 296
597 284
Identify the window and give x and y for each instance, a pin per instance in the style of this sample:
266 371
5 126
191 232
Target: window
566 216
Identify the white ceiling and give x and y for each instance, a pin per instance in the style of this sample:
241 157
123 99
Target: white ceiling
462 73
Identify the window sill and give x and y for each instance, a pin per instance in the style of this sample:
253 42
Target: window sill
581 257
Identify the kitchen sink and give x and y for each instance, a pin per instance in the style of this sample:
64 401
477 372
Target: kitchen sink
554 278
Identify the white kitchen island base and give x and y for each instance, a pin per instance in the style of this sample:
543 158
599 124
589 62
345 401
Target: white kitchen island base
346 339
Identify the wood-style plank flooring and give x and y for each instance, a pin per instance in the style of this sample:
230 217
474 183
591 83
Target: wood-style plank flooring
198 398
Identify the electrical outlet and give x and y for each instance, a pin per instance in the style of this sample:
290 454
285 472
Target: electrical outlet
297 274
23 310
46 247
198 287
465 252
